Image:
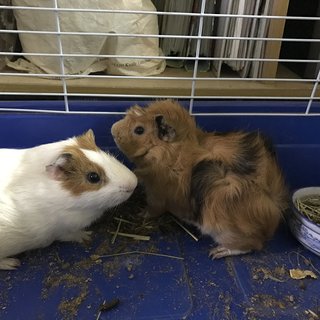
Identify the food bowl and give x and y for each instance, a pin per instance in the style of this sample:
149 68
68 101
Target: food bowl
306 231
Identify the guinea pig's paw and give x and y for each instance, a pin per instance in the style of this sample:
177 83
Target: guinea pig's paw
9 264
221 252
84 236
80 236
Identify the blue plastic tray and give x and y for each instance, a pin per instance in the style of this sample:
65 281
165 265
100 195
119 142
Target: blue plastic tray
63 281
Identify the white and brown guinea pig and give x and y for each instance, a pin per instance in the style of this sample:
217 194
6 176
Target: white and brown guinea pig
229 185
53 191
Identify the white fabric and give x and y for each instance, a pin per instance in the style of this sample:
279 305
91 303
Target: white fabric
89 22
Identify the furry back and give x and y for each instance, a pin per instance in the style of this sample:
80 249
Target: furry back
227 184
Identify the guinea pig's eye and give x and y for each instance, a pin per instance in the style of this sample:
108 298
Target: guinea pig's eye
93 177
139 130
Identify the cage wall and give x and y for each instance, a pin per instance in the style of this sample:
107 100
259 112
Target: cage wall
68 66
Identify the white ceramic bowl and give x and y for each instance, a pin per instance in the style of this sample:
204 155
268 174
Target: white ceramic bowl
305 231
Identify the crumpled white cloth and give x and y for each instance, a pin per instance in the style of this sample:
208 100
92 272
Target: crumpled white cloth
36 20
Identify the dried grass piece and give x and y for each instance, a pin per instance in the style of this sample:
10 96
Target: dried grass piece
313 314
132 235
310 207
116 233
184 228
99 313
306 261
137 252
124 221
299 274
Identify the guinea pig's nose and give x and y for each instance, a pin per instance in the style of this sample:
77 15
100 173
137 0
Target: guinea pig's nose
113 129
128 188
131 185
115 136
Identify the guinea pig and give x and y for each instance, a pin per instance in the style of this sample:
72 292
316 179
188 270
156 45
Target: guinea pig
229 185
53 191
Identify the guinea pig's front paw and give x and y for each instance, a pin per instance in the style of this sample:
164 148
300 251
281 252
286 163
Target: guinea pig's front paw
80 236
9 264
221 252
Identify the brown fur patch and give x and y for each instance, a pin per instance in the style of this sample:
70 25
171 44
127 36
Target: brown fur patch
87 141
75 171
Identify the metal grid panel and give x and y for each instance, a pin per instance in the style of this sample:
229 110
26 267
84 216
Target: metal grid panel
192 86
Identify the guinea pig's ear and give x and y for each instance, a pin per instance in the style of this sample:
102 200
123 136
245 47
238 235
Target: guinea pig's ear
87 141
57 170
90 135
136 110
165 132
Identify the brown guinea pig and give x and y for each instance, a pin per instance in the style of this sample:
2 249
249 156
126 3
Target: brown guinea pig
229 185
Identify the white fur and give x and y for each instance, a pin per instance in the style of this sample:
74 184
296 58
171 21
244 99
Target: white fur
35 210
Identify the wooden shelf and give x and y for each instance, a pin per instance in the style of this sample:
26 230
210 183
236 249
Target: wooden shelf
212 87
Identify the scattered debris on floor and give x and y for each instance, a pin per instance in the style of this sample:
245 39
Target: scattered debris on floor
107 305
278 274
94 277
312 315
299 274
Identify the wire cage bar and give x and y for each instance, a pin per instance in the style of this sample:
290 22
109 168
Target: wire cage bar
270 71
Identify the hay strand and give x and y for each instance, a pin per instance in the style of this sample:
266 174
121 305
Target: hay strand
309 206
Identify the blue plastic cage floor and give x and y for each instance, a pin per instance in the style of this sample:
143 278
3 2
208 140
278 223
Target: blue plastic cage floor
64 282
69 281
